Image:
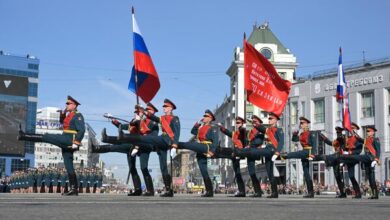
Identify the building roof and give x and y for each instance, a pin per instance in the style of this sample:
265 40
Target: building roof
264 35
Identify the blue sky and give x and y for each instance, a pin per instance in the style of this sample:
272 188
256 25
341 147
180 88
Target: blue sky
85 47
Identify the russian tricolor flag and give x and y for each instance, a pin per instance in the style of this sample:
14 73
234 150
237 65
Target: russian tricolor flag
342 96
143 71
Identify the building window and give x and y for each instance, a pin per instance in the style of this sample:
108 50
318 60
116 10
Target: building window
2 167
303 108
282 75
33 66
294 113
319 111
249 115
19 164
388 101
266 52
368 106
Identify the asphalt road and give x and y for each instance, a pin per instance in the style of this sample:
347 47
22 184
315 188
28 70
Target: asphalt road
183 207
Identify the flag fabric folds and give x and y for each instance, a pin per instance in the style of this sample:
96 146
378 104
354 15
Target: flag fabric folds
265 88
342 96
143 70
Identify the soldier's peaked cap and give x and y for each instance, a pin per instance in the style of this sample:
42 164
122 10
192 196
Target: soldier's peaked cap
151 106
70 98
257 118
169 103
238 118
274 115
372 127
304 119
354 124
210 113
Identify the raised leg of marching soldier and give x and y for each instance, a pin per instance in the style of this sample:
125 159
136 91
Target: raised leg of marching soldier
355 184
134 176
255 181
144 160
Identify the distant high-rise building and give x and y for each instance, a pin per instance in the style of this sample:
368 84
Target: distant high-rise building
18 105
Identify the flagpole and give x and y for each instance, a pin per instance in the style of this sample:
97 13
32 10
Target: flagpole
135 77
245 94
135 61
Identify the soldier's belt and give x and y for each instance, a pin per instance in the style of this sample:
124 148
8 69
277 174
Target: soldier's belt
205 142
70 131
307 147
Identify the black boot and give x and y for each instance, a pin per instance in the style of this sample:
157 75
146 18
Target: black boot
29 137
310 190
241 186
274 189
374 194
209 188
66 188
42 190
58 190
356 188
74 191
256 187
149 186
167 182
109 139
137 186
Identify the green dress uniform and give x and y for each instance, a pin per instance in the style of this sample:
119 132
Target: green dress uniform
170 125
353 146
73 133
239 141
205 146
372 151
307 140
334 159
274 142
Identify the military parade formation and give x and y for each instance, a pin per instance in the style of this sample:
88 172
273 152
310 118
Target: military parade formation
140 137
54 180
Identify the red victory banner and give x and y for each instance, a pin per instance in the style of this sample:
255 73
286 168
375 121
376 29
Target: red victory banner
265 88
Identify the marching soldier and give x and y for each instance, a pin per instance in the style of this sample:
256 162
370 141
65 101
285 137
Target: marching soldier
353 146
139 125
334 159
69 141
167 140
274 142
239 141
307 140
205 146
370 158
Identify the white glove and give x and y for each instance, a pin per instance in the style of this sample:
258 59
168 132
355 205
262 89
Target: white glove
136 117
219 124
173 152
274 157
341 164
75 146
310 158
345 152
374 163
107 115
134 152
238 158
